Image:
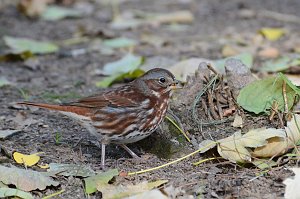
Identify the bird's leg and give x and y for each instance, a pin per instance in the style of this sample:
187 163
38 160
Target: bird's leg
129 151
103 156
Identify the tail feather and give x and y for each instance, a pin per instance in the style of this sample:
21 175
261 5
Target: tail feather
63 108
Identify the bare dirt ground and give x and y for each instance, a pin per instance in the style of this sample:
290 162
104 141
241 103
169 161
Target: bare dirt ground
215 21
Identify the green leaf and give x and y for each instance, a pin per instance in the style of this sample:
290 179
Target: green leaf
9 192
13 57
280 64
70 170
107 81
26 180
264 163
246 58
259 96
6 133
20 45
4 82
91 183
120 42
54 13
128 63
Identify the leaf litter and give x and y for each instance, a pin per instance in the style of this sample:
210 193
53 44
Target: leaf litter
26 180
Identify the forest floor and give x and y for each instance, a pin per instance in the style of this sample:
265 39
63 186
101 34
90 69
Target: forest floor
216 23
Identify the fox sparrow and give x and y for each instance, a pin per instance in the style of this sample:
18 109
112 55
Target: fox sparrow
125 114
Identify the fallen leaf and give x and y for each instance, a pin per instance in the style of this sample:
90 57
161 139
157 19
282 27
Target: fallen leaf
270 53
10 192
155 193
118 192
120 42
231 148
276 146
183 16
293 130
54 13
26 180
187 67
280 64
260 143
295 79
14 57
91 183
206 145
6 133
127 67
70 170
259 95
245 58
107 81
272 34
27 160
124 22
238 147
33 8
228 51
45 166
4 82
238 121
264 163
292 190
19 45
153 40
126 64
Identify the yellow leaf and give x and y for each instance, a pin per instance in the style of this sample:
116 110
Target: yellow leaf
45 166
272 34
27 160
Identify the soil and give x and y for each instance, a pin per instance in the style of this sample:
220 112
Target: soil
215 22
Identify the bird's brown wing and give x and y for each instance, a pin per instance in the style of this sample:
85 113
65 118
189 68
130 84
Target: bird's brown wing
120 97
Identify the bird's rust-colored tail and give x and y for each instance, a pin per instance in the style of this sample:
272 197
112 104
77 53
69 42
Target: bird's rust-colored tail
64 108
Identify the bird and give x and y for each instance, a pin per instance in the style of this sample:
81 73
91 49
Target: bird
124 114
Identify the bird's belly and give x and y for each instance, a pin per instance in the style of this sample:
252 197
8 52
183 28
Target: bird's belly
130 138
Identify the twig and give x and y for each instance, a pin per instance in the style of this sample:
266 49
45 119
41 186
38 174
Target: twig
172 162
220 111
54 194
211 105
180 129
205 160
286 107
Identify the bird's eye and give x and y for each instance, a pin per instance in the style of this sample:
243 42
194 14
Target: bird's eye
162 80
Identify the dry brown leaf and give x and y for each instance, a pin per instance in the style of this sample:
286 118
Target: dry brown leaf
33 8
238 147
228 51
231 148
270 53
261 143
276 146
238 121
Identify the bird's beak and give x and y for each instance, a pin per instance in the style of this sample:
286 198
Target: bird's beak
176 85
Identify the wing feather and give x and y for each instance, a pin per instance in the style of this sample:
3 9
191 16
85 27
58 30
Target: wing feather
119 97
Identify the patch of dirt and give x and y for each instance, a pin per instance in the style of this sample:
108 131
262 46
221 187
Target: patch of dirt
214 21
